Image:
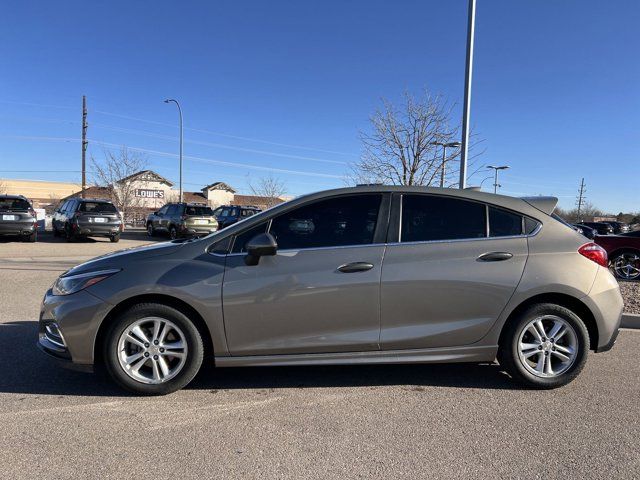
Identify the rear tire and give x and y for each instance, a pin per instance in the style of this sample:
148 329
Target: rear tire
545 347
170 373
114 238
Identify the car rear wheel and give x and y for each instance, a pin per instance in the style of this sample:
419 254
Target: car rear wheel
114 238
626 265
153 349
544 347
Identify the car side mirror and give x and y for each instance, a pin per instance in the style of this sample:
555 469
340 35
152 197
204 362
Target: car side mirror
262 245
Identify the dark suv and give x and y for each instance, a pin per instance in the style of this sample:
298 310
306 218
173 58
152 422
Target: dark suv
230 214
83 217
18 218
182 220
601 228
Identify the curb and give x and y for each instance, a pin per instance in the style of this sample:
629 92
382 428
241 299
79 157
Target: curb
630 320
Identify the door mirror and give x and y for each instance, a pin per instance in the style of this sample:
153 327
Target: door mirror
261 245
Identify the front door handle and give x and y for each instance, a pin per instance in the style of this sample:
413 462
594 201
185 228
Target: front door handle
355 267
495 256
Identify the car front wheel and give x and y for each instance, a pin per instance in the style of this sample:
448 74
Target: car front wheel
153 349
544 347
150 230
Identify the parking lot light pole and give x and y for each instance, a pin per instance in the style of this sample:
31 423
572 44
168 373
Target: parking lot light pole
495 181
444 158
466 113
169 100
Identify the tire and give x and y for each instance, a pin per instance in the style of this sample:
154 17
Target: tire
114 238
524 364
625 265
56 233
69 237
144 381
151 232
33 238
173 233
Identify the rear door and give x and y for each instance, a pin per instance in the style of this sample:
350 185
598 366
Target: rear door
321 292
451 271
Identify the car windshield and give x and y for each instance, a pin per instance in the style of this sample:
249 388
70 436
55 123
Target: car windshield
14 204
97 207
204 211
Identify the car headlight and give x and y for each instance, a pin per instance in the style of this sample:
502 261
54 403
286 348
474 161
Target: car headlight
74 283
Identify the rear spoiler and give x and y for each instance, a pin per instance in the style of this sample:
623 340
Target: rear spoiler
544 204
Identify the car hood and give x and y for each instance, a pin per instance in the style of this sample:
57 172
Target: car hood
122 258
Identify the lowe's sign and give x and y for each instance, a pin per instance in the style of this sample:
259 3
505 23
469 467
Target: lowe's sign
145 193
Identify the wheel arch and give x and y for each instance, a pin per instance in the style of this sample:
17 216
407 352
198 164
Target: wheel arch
162 299
564 300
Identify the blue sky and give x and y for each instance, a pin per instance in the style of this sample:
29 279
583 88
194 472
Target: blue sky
555 93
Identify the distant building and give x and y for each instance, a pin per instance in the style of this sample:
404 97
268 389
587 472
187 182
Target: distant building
43 194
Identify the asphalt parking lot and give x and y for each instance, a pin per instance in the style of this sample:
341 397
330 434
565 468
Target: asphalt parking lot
449 421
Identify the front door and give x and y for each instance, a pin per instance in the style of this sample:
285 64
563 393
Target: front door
456 265
321 292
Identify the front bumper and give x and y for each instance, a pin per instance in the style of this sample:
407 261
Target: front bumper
76 319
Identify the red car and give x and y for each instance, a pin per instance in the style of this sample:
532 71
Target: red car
624 254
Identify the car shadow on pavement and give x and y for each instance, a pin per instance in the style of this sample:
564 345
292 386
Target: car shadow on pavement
24 369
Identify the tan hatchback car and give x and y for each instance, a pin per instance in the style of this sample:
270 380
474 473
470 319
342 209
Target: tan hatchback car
370 274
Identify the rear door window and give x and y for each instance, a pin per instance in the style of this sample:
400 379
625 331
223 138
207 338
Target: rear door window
503 223
433 217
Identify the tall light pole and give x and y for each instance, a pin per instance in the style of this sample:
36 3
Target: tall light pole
444 158
495 181
169 100
466 113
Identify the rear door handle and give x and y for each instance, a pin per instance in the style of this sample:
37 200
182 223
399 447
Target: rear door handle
495 256
355 267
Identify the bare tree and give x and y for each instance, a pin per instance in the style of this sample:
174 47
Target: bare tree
270 188
115 172
400 149
587 212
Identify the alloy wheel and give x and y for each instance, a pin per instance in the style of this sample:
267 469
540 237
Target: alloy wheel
626 266
152 350
547 346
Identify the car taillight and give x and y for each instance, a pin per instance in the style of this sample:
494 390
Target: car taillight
595 253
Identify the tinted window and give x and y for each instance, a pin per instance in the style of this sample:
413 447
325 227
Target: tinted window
530 225
347 220
14 204
71 206
172 210
503 223
189 210
97 207
163 210
430 217
239 245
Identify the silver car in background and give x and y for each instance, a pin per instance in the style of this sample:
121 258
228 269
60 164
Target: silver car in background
369 274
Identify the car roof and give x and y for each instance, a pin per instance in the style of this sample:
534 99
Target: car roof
16 197
94 200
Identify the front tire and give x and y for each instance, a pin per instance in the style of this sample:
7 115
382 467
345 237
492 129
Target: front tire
173 233
544 347
153 349
114 238
151 232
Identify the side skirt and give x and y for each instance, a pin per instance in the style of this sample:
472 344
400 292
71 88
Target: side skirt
426 355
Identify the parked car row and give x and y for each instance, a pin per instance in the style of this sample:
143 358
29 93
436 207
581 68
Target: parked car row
188 219
602 228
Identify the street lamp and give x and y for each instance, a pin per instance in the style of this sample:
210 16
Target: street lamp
444 157
495 182
169 100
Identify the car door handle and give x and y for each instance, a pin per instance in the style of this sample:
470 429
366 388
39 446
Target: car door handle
355 267
495 256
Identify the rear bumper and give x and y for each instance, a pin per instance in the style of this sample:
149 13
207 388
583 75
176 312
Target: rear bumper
606 304
189 230
97 229
17 228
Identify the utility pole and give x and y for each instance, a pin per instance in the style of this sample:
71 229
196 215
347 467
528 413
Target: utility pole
466 113
581 199
84 144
